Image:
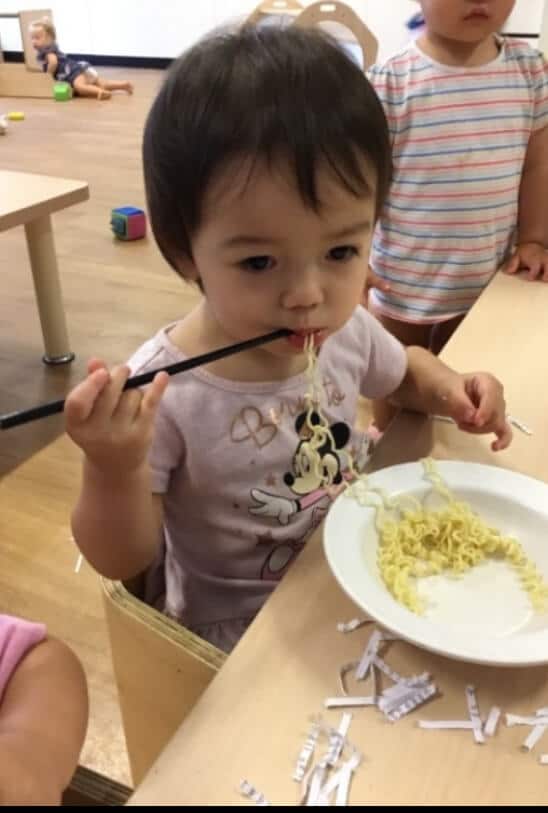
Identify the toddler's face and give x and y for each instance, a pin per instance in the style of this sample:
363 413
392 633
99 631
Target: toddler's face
39 38
466 20
267 261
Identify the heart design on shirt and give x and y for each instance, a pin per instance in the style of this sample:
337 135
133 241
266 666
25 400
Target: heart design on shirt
250 424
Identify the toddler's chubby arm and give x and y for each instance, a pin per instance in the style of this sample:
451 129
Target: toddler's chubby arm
51 62
43 720
117 521
475 401
531 252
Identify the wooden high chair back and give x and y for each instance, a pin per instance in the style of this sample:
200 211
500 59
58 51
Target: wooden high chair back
336 12
269 8
25 19
26 80
161 669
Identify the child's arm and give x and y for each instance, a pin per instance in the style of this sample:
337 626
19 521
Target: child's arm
532 238
43 721
475 401
51 62
117 520
373 281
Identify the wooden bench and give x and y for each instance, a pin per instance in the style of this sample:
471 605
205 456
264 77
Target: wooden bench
161 670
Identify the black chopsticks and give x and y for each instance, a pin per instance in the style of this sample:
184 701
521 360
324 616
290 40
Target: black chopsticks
53 407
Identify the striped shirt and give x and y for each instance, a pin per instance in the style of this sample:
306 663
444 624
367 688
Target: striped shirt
459 139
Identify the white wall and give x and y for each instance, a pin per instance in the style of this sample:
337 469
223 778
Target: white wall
526 17
73 21
543 42
163 28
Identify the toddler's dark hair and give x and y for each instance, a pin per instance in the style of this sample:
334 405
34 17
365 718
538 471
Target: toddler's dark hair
258 93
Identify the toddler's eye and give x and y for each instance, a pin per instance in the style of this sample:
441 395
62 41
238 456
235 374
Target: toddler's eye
263 263
342 253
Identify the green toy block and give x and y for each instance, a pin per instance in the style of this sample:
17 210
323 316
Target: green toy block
62 92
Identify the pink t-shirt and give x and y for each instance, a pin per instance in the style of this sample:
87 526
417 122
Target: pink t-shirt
239 502
17 637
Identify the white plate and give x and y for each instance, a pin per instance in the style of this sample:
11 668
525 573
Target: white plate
485 616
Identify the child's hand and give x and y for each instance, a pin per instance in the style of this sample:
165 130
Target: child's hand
531 257
112 426
476 403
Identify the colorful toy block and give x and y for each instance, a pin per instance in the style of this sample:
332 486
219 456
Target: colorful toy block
128 223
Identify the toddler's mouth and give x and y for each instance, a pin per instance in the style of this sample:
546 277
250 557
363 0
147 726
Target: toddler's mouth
478 13
299 338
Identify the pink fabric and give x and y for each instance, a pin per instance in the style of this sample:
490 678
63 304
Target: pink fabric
17 637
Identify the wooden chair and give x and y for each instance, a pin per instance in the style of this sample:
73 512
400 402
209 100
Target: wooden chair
340 14
161 669
28 79
274 8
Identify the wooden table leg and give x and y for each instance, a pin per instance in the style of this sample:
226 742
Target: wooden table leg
45 274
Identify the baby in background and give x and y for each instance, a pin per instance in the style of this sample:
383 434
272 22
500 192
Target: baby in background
84 79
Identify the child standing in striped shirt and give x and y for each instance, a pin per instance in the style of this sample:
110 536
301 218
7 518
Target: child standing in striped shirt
468 116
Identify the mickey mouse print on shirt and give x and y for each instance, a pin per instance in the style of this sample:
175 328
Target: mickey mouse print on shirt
309 481
315 477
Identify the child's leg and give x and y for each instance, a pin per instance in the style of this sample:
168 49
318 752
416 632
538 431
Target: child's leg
84 88
112 84
442 332
408 334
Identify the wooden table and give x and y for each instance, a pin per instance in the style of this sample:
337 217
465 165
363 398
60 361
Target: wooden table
29 200
252 720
